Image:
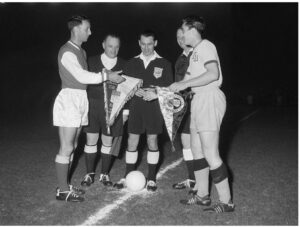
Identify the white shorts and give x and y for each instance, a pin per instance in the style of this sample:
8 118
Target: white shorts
71 108
207 110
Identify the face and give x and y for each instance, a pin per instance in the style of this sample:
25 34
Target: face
187 35
180 38
111 46
147 45
84 30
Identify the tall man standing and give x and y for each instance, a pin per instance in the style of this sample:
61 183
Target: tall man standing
204 76
145 116
71 104
181 66
108 60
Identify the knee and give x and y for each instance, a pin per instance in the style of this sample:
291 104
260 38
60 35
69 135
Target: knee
214 160
197 152
66 149
91 139
152 142
133 141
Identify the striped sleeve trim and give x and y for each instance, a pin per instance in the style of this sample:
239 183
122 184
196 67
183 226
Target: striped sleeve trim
211 61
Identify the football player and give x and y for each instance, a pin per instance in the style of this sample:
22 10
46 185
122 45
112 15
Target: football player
70 110
181 66
204 77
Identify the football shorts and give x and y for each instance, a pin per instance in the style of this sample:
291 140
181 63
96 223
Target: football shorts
71 108
207 110
97 121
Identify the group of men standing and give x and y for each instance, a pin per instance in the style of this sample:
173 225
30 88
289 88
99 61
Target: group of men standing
78 105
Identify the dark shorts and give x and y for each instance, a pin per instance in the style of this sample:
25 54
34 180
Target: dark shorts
185 123
97 123
145 117
186 120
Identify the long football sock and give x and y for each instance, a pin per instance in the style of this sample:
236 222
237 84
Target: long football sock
131 159
70 168
190 168
201 170
189 161
62 169
90 153
220 178
106 159
152 159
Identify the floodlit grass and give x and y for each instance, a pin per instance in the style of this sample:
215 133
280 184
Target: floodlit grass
260 151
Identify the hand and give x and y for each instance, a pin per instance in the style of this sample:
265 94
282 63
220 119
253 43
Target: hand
140 92
115 77
177 86
150 95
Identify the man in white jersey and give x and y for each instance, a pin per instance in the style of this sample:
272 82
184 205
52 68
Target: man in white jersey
71 104
208 106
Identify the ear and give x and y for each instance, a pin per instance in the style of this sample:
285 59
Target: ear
103 45
155 43
139 43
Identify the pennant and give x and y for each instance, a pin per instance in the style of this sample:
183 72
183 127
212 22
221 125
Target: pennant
116 95
173 108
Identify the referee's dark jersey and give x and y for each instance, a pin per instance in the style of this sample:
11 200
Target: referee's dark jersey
95 94
145 116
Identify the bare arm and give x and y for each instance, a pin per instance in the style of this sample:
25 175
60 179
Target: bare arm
212 74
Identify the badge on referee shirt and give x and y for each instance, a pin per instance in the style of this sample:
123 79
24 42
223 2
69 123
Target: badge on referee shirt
157 72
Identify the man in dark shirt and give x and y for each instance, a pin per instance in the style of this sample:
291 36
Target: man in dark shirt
108 60
181 66
145 116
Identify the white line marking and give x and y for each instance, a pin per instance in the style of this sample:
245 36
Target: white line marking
249 115
105 211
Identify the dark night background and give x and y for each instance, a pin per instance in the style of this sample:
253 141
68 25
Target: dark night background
257 44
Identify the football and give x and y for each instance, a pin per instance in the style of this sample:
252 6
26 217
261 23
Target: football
135 181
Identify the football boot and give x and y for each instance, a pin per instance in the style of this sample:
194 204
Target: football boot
120 184
69 196
105 180
188 183
197 200
221 207
151 186
88 179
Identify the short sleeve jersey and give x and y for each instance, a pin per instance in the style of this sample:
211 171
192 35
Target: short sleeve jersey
205 52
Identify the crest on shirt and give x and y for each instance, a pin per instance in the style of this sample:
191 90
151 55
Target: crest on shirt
157 72
195 57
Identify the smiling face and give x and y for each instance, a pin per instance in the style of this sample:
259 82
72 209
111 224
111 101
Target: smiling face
147 44
180 38
187 35
111 46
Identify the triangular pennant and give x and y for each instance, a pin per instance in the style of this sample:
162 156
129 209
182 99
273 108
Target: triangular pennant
173 108
116 95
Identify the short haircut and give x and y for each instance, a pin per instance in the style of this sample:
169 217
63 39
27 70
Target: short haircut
148 33
113 35
76 20
196 22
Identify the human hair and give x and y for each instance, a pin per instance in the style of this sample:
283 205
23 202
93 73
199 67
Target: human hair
76 20
113 35
194 21
148 33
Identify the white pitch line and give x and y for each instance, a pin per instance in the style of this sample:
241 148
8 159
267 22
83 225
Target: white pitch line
249 115
105 211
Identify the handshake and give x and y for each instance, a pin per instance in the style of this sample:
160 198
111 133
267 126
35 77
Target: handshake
148 94
114 77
